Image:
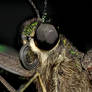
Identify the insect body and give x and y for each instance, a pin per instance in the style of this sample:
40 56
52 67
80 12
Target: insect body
50 58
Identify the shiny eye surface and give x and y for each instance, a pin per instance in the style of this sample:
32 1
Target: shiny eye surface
46 36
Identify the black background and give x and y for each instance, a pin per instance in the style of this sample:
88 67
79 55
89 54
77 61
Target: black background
74 16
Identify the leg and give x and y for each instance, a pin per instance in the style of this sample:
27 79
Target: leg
31 80
7 85
41 83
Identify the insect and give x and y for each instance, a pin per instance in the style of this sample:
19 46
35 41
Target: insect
48 58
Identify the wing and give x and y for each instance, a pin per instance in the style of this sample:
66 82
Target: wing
9 61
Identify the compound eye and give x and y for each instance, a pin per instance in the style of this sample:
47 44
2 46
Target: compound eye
46 36
28 30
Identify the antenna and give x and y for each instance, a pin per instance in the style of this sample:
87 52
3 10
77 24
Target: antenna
45 6
36 10
44 16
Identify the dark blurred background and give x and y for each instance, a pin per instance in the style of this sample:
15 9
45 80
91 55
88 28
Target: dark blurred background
74 17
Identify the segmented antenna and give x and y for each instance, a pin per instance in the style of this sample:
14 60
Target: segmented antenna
45 6
36 10
44 16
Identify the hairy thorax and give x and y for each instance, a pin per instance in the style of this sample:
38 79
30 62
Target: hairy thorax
63 72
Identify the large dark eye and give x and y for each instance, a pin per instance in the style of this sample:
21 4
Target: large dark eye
46 36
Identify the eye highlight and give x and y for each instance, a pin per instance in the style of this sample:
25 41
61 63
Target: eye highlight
46 36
